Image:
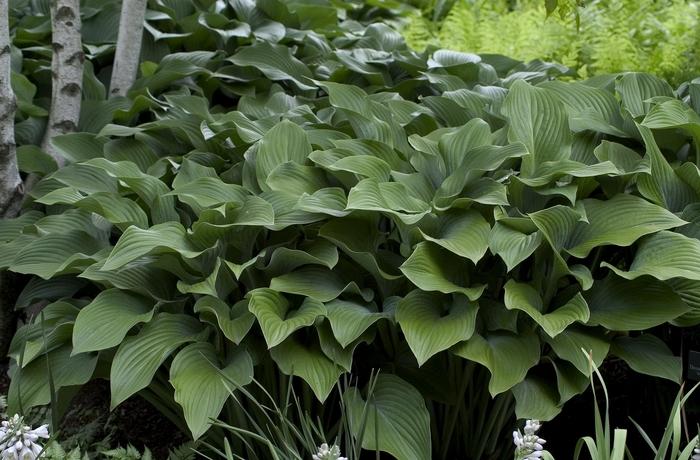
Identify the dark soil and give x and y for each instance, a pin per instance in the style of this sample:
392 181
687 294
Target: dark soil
89 423
134 422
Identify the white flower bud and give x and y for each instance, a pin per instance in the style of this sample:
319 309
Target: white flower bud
328 453
19 441
528 445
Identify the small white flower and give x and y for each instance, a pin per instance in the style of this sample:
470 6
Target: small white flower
328 453
19 441
528 446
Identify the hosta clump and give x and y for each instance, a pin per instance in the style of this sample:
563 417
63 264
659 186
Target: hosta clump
321 203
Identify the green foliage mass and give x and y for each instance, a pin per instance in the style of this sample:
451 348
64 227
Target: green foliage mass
292 191
603 36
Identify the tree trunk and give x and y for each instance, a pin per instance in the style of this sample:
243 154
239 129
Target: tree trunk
67 73
11 187
126 58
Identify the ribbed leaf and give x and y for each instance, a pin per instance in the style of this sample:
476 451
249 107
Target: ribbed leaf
202 383
139 356
57 253
536 398
455 146
569 343
463 232
350 320
135 242
512 245
636 88
506 355
310 364
120 211
396 420
433 323
205 192
619 221
539 120
432 268
664 255
663 186
234 321
648 355
275 318
31 383
621 305
276 62
391 197
521 296
317 283
285 142
108 318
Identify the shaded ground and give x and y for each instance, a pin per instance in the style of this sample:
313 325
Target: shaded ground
88 422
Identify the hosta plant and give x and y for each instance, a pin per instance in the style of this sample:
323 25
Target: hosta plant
305 196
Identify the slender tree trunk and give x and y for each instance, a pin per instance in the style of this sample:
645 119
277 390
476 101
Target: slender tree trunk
126 58
11 187
67 73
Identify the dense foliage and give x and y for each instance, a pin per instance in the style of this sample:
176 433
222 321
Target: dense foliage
603 36
303 195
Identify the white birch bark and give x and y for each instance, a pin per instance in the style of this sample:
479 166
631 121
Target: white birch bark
11 188
126 57
67 73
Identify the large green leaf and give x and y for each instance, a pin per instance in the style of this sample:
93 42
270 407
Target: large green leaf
317 283
536 398
663 186
349 320
139 356
621 305
275 61
285 142
433 322
393 198
432 268
648 355
637 88
619 221
202 383
393 419
538 119
276 320
30 386
464 233
136 242
569 345
234 321
665 255
511 245
506 355
310 364
57 253
108 318
521 296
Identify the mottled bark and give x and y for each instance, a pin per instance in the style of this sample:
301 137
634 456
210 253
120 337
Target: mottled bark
11 188
67 73
126 58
